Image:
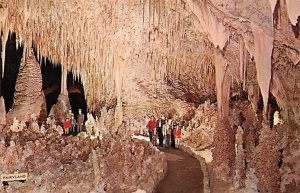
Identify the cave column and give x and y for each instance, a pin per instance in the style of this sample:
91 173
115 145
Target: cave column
224 147
61 108
64 75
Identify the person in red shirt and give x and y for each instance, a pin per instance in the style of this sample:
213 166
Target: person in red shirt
67 125
177 136
151 126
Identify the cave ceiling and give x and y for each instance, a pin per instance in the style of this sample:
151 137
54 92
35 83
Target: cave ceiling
111 43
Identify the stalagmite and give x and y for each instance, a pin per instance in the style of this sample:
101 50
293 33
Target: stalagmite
2 113
96 168
240 170
28 99
61 108
263 48
223 135
138 58
267 160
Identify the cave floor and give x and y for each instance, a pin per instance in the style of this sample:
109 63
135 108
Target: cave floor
184 174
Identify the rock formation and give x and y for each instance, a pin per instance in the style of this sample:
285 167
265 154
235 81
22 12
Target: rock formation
165 57
29 97
61 108
73 165
267 160
2 113
239 174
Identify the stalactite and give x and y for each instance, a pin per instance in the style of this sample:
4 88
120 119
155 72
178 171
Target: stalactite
150 12
4 40
217 32
273 4
83 42
293 10
222 84
263 48
267 160
243 61
159 12
64 74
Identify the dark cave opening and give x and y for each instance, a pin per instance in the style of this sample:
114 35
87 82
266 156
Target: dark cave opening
51 75
273 107
13 58
52 84
260 108
260 104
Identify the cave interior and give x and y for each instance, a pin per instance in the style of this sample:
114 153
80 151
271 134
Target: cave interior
225 71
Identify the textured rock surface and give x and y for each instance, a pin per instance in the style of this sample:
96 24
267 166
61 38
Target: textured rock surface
267 160
70 164
149 57
291 168
61 109
29 97
199 133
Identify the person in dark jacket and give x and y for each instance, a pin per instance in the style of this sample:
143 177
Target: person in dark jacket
174 124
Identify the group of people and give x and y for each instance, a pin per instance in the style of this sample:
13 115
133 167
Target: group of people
71 125
167 131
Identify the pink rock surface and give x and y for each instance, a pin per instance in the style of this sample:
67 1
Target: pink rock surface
70 164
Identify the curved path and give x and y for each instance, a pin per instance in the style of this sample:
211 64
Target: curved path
183 175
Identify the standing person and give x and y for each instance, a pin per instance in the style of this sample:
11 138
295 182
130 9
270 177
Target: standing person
151 126
159 125
67 126
73 124
165 130
80 120
173 126
177 136
69 115
154 137
144 126
169 133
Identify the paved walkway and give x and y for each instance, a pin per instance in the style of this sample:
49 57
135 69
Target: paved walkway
184 173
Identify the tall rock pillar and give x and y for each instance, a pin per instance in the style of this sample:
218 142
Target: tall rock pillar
223 153
29 97
61 108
